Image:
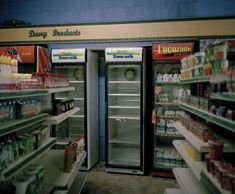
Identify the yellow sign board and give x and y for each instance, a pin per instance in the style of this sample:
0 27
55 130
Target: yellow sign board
119 31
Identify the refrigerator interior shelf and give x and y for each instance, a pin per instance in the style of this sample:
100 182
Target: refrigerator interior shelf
63 98
194 140
19 164
123 107
212 183
222 122
126 161
188 182
173 191
54 120
21 94
16 125
167 103
124 82
56 90
195 166
123 118
118 94
128 138
53 168
124 66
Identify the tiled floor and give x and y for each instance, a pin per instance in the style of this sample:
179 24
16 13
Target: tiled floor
101 182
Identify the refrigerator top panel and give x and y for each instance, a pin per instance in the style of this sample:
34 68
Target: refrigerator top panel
118 54
68 55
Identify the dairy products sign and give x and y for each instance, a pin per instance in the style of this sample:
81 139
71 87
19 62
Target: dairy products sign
68 55
123 54
172 51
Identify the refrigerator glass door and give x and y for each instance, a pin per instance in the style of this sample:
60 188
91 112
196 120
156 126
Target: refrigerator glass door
124 115
75 124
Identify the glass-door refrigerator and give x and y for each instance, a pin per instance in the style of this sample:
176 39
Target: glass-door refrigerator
124 110
81 67
168 93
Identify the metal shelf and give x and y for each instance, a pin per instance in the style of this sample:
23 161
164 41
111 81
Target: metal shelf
195 166
55 120
64 89
196 80
188 182
18 165
16 125
129 162
212 183
222 122
21 94
201 146
195 141
53 168
225 96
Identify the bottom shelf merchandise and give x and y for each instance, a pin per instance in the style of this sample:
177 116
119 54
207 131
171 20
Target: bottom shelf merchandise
167 158
53 162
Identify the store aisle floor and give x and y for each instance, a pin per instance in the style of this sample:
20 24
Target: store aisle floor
100 182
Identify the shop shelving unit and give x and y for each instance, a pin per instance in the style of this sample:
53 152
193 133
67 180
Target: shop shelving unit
22 162
198 168
19 124
44 150
196 179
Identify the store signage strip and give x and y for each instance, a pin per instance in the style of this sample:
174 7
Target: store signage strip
119 31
